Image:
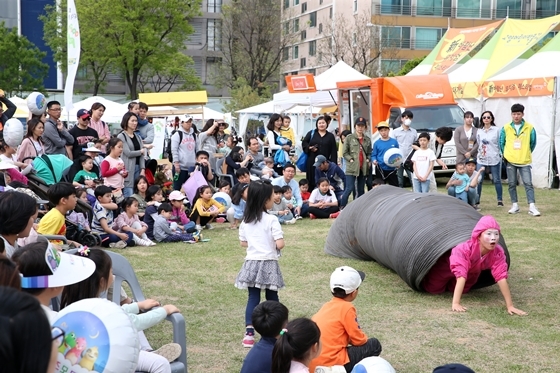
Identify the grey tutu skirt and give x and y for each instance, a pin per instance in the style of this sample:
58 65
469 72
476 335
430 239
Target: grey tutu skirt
263 274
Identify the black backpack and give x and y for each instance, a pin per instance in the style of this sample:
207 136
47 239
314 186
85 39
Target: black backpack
168 154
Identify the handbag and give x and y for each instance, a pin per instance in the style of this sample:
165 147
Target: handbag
302 160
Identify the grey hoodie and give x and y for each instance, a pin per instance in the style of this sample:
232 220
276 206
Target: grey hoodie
55 141
185 152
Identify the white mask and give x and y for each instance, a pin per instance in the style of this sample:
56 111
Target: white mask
407 122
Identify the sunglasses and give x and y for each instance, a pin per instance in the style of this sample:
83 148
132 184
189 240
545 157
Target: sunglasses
486 117
57 335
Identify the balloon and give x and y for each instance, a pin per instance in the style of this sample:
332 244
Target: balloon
99 337
37 103
393 157
13 132
223 199
374 364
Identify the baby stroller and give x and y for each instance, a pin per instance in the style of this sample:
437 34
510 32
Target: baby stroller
49 170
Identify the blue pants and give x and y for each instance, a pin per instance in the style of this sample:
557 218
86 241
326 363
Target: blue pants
255 299
349 187
471 195
107 239
284 218
421 186
400 175
526 177
496 172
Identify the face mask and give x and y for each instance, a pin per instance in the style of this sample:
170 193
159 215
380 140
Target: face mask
407 122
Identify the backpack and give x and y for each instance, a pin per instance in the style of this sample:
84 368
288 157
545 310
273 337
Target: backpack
167 153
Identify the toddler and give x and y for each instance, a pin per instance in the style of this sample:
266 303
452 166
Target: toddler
163 231
128 221
291 201
86 177
280 209
79 218
268 172
238 203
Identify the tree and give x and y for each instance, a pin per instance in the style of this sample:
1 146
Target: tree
244 96
251 44
163 74
409 66
128 34
355 41
21 66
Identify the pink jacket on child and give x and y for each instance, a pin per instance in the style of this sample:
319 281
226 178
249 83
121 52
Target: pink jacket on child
178 216
123 220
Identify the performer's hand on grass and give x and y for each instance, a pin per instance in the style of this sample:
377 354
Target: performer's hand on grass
456 307
514 311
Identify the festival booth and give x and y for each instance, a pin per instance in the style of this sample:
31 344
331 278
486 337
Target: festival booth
261 112
113 110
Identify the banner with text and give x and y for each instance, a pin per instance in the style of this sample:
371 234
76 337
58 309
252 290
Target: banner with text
73 48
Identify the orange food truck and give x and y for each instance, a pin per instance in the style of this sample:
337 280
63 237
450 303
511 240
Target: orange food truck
430 99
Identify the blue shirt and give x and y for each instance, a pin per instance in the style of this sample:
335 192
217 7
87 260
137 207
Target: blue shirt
335 175
238 210
379 149
280 181
465 181
259 358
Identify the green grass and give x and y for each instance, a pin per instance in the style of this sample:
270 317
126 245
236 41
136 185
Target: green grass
417 331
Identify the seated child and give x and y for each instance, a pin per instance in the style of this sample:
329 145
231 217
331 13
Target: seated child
63 197
178 219
298 344
280 209
86 177
80 218
34 267
338 322
291 201
268 319
224 187
102 222
203 165
243 177
322 202
163 231
268 172
460 181
238 203
154 196
205 209
304 190
128 221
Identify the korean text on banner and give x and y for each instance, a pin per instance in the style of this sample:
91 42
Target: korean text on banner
73 47
458 43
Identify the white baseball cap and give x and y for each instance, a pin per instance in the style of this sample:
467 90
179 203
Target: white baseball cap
346 278
66 270
176 196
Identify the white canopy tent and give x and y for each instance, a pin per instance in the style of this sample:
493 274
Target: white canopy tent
113 110
258 112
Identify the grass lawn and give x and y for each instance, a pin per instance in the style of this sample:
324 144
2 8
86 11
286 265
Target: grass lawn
418 331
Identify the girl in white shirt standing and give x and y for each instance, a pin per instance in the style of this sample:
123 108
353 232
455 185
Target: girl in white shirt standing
322 202
262 235
423 159
297 345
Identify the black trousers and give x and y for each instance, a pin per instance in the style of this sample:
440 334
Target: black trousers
323 213
390 177
357 353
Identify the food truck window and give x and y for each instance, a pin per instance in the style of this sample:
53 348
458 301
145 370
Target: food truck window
395 118
360 105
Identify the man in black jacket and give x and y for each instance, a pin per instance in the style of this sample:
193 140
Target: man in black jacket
5 114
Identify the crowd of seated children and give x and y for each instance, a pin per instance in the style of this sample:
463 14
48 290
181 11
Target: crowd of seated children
280 208
162 228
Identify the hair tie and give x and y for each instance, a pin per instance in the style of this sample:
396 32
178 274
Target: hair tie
83 251
283 331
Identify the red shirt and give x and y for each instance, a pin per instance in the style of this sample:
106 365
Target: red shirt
361 152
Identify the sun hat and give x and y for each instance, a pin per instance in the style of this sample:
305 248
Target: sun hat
346 278
176 196
91 148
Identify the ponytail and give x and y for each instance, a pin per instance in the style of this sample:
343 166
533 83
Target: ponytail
294 343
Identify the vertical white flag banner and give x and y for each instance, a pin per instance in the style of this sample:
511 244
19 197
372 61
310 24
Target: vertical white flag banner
73 47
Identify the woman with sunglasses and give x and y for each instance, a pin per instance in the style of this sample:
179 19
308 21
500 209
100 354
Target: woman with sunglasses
489 155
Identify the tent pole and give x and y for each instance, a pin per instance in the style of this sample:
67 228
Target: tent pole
553 134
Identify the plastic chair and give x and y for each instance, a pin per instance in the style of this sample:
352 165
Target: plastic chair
219 173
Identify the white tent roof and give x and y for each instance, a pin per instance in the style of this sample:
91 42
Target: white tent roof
325 83
113 110
266 108
209 114
301 109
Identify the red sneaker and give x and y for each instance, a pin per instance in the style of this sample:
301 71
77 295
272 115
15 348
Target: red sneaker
311 216
334 215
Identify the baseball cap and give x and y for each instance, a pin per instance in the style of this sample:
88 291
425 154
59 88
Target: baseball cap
470 160
84 114
383 124
319 160
346 278
176 196
361 121
185 118
453 368
66 270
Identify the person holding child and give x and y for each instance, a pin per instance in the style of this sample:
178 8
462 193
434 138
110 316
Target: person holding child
299 343
280 208
464 181
334 174
423 164
287 178
205 209
322 202
128 221
262 235
102 222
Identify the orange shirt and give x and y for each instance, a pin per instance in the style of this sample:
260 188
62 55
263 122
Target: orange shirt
338 322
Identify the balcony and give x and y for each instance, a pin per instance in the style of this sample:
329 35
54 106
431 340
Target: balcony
440 11
412 43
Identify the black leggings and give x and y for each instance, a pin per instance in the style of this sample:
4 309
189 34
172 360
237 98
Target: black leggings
203 219
323 213
357 353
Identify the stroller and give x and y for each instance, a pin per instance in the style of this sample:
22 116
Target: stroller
49 170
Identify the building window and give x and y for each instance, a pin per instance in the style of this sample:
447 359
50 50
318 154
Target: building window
312 71
296 25
303 7
395 7
508 8
320 28
427 38
295 52
296 2
434 8
286 54
355 6
391 66
286 28
303 35
474 9
396 37
214 35
313 19
547 8
302 63
312 47
330 12
286 4
214 6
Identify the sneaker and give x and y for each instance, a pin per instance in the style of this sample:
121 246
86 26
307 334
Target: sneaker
118 245
334 215
208 226
311 216
533 211
170 351
293 221
198 227
476 207
514 209
143 242
298 217
500 204
248 340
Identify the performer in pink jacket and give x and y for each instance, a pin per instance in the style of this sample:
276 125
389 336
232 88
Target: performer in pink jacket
459 271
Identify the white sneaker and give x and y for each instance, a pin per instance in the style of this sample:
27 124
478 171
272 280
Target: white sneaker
143 242
118 245
533 211
198 227
293 221
514 209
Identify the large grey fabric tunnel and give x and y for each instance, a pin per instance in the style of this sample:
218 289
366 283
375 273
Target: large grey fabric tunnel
404 231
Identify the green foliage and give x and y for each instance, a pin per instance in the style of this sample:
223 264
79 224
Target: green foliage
160 75
409 66
124 36
244 96
21 65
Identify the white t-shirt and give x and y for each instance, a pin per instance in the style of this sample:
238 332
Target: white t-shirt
260 237
316 196
422 159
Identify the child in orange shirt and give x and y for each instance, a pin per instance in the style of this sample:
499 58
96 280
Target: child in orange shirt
338 322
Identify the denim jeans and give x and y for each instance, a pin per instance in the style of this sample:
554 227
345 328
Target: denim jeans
496 172
254 300
472 196
526 177
421 186
400 175
109 238
349 186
